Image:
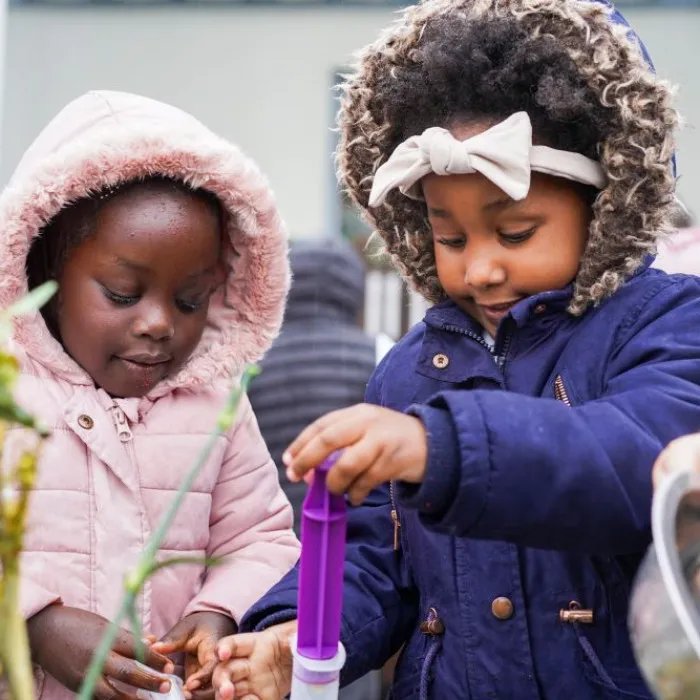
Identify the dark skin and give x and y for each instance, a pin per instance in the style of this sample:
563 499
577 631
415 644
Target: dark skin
133 305
490 252
134 296
63 640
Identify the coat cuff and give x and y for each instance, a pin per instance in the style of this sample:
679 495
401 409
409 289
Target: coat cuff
434 496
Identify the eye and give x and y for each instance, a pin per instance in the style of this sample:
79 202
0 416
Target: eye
191 306
453 242
516 237
119 299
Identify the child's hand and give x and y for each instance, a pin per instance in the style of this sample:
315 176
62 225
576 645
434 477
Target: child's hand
197 635
63 640
683 453
256 666
379 445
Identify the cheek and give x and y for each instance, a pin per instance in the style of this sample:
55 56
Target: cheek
87 322
549 266
450 267
190 331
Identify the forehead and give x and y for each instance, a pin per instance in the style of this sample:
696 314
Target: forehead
162 226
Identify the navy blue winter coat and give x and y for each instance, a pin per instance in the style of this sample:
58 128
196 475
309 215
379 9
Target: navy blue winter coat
516 555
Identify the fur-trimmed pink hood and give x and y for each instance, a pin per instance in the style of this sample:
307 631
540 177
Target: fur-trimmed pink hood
104 138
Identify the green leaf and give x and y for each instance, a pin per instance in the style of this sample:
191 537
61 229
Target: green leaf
33 300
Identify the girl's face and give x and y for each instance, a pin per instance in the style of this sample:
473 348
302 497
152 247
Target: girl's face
134 296
492 251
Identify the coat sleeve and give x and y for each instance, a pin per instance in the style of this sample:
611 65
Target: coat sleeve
379 598
33 598
250 527
538 473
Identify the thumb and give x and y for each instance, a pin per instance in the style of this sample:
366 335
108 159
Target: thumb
174 640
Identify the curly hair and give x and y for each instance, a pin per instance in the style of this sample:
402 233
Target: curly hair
580 78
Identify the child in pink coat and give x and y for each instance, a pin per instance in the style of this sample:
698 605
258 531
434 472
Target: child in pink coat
172 269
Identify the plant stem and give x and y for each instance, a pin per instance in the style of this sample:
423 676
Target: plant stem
14 644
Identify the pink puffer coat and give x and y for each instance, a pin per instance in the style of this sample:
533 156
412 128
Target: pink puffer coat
112 466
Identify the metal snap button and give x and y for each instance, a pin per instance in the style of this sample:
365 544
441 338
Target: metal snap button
540 308
84 421
441 360
502 608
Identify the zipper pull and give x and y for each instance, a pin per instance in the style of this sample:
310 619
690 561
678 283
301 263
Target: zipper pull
121 424
397 525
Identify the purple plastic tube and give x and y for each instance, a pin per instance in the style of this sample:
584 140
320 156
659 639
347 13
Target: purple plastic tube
323 529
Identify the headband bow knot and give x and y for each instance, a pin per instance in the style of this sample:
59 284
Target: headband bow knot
504 154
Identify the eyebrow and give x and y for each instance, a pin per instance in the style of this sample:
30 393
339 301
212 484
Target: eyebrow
131 265
439 213
502 202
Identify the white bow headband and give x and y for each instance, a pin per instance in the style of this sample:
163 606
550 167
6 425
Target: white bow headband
504 154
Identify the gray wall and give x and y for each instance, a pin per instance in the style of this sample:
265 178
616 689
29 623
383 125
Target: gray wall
258 76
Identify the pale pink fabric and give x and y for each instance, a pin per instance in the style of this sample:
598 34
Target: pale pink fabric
112 466
680 252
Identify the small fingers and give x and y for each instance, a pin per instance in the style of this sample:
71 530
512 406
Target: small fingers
132 673
104 690
224 689
125 645
319 440
236 645
359 467
203 694
236 670
201 677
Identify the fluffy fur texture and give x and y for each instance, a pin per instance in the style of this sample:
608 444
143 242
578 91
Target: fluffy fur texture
103 139
610 106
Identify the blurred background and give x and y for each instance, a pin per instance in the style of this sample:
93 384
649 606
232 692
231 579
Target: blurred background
261 72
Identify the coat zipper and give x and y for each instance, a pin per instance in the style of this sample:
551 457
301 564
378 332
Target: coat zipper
560 391
469 334
500 359
395 517
126 438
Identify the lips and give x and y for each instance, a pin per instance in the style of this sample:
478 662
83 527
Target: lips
493 314
498 308
147 359
503 306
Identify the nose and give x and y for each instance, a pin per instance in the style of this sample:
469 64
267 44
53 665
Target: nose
483 269
154 321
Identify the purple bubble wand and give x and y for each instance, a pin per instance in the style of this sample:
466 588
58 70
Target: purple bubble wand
318 654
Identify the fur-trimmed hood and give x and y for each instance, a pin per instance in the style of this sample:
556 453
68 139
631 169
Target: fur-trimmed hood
636 151
106 138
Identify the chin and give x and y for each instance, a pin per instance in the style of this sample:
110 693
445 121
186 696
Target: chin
120 391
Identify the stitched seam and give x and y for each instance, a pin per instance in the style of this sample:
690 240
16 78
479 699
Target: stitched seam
43 550
91 519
